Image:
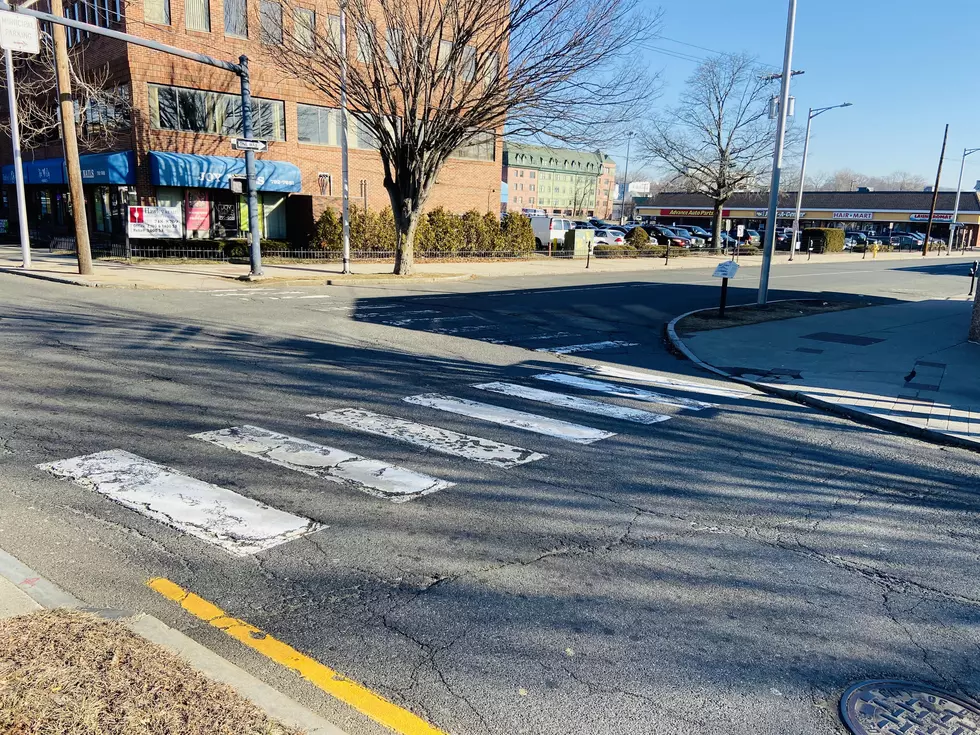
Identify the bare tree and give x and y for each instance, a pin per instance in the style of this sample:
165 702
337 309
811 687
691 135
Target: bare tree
103 110
719 139
847 179
429 79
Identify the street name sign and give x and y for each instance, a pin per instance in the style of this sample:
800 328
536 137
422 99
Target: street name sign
19 33
250 144
728 269
162 223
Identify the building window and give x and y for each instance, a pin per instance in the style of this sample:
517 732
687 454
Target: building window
481 148
270 22
532 174
197 15
393 46
445 51
491 70
236 18
469 63
321 126
365 44
200 111
333 31
305 22
155 11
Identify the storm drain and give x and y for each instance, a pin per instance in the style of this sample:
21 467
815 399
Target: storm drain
888 707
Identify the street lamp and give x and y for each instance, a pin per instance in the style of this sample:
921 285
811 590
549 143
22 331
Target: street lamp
959 189
806 150
626 171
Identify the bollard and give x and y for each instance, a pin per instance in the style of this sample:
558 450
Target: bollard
973 276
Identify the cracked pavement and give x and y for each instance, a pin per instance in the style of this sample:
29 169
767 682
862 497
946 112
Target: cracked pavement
730 570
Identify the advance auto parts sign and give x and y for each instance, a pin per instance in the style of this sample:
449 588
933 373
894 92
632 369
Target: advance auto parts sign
162 223
691 213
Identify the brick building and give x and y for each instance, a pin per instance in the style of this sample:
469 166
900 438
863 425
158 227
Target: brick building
177 148
558 180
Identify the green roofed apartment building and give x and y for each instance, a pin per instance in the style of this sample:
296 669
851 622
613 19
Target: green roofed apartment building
558 180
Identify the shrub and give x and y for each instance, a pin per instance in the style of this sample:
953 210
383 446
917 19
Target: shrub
637 237
518 233
448 236
824 239
328 230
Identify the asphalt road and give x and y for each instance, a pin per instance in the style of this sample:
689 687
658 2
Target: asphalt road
730 570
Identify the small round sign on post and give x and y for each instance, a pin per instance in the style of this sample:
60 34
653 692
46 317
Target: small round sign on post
724 271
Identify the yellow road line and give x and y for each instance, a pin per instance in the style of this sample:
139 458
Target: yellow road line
350 692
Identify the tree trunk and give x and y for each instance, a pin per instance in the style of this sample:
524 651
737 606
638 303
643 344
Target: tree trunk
975 321
716 223
405 244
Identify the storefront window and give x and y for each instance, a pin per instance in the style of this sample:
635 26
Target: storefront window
274 216
197 213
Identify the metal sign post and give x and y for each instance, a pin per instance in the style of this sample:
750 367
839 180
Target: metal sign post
724 271
18 33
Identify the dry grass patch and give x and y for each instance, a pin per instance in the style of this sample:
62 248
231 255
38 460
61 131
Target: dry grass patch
64 672
740 316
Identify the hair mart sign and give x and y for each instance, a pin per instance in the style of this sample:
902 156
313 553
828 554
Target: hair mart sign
850 216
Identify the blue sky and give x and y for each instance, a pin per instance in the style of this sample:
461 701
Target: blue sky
908 67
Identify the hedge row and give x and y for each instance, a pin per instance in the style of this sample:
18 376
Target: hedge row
439 233
823 239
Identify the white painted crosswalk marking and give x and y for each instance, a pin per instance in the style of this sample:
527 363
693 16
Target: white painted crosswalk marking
431 437
237 524
367 475
514 419
675 383
624 391
575 403
590 347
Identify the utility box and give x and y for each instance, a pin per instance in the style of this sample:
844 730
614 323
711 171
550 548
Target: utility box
578 242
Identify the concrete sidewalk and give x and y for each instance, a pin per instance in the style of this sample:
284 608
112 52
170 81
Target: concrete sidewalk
906 367
191 275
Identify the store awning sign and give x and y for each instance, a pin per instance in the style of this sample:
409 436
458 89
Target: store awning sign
97 168
849 216
195 171
780 213
924 217
691 213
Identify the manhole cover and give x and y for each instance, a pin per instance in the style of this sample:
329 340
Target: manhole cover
888 707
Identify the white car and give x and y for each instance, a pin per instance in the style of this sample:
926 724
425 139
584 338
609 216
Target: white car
608 237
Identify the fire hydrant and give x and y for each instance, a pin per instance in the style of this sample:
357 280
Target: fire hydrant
874 251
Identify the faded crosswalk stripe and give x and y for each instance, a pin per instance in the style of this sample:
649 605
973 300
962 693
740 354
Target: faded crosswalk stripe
367 475
514 419
431 437
590 347
684 385
623 391
237 524
575 403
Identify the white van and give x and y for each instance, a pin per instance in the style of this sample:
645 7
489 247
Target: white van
549 229
532 212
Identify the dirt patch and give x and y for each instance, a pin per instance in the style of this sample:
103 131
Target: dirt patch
65 672
740 316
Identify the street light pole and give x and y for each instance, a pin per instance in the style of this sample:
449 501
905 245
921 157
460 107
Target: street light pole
777 158
25 237
799 194
959 190
344 167
626 172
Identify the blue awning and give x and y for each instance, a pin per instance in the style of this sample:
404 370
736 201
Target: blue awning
213 172
97 168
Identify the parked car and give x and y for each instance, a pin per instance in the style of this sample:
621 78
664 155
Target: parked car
686 233
905 240
608 237
666 236
582 225
753 236
547 229
532 212
698 232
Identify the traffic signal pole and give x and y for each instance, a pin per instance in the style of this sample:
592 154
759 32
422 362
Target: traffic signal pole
68 112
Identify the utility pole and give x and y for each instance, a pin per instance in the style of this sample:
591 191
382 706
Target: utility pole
344 168
959 190
70 136
935 193
252 197
777 158
799 195
626 172
25 236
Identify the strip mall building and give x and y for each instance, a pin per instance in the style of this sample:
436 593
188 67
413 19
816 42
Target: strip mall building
877 211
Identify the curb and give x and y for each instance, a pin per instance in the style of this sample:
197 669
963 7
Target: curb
854 414
270 700
52 279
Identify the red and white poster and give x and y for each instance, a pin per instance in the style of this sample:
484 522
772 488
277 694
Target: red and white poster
198 211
